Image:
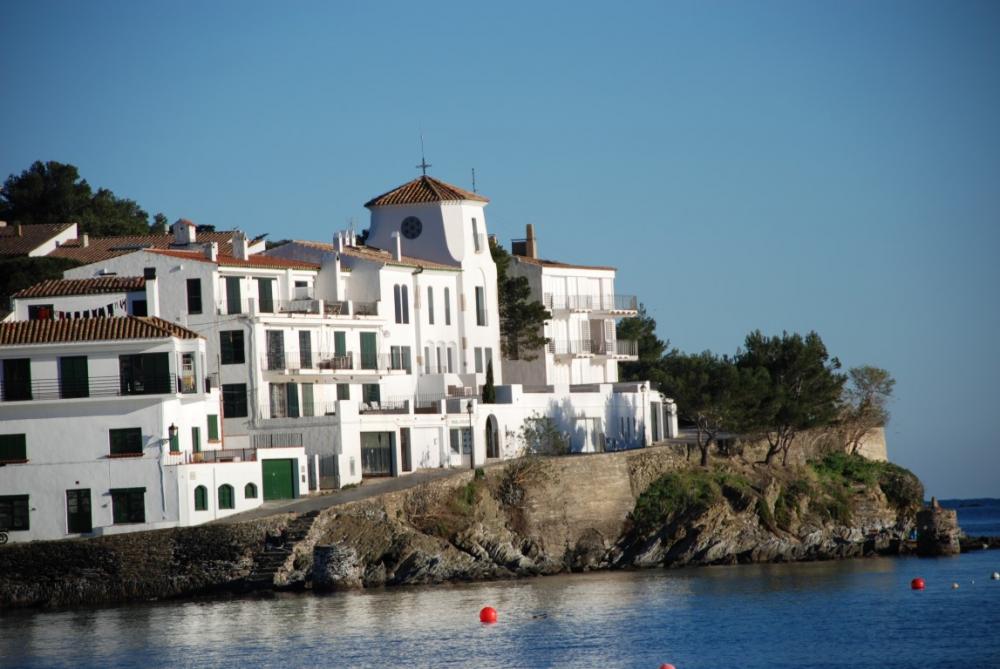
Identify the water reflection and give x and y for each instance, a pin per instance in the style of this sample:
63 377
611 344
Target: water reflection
748 616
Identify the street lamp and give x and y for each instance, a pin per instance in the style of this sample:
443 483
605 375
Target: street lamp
172 432
472 445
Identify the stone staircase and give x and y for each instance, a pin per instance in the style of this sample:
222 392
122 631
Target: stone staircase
269 562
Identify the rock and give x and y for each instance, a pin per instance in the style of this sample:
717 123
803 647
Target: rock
336 567
937 531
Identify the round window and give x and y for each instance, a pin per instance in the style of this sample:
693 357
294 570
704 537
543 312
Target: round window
411 227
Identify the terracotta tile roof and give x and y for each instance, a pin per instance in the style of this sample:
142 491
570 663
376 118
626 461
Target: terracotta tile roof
424 189
258 260
541 262
92 329
96 286
31 237
102 248
378 255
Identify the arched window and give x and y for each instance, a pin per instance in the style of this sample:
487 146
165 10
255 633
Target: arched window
401 302
405 296
250 491
201 498
226 496
397 303
447 306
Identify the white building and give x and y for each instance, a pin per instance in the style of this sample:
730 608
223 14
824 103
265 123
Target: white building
109 425
373 355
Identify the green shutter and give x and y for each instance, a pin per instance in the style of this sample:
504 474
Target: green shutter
13 448
213 427
265 293
196 439
292 399
127 441
340 344
233 300
307 400
343 391
369 351
73 377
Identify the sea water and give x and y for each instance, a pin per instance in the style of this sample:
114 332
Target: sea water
852 613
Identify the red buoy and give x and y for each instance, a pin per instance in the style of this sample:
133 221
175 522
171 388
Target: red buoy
488 615
667 666
917 584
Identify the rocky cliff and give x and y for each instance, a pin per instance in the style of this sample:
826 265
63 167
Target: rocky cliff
634 509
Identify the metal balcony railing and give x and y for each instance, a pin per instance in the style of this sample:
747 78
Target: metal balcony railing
627 347
96 386
303 410
593 347
279 361
223 455
388 405
590 302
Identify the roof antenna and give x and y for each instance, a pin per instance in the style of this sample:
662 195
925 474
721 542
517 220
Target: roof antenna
474 180
423 161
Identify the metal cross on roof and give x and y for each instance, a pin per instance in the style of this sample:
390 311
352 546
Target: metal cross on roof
423 161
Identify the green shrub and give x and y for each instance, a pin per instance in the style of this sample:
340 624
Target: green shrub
687 491
901 487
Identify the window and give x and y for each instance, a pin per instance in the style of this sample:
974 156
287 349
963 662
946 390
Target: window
447 306
139 307
188 382
427 360
369 350
73 378
144 373
401 301
233 297
175 441
196 439
430 305
126 441
301 290
201 498
13 448
340 344
275 349
461 440
399 357
305 349
128 505
226 497
440 352
231 347
14 512
265 295
480 305
479 360
194 296
451 366
40 312
487 358
370 393
16 379
234 400
213 427
475 236
308 408
250 491
343 391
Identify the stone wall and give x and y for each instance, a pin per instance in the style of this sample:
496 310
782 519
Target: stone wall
130 567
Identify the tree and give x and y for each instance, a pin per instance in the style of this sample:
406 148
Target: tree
642 329
712 393
864 403
53 192
18 273
489 390
521 319
802 390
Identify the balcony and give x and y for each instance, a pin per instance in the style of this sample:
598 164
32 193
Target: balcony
619 349
304 410
320 362
612 304
391 405
98 386
223 455
303 306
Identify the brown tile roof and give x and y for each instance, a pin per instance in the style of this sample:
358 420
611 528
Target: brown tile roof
257 260
31 237
91 329
96 286
424 189
102 248
541 262
378 255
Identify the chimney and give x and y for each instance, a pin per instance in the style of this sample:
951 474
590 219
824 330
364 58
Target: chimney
84 240
152 292
531 244
212 251
338 242
398 251
240 250
17 229
184 232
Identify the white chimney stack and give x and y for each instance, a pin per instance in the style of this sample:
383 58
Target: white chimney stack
339 242
85 240
398 255
184 232
240 246
212 251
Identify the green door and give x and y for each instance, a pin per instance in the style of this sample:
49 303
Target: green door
369 352
279 479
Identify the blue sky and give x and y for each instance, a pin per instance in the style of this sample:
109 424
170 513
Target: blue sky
775 165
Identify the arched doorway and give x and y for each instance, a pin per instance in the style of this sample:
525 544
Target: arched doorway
492 437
